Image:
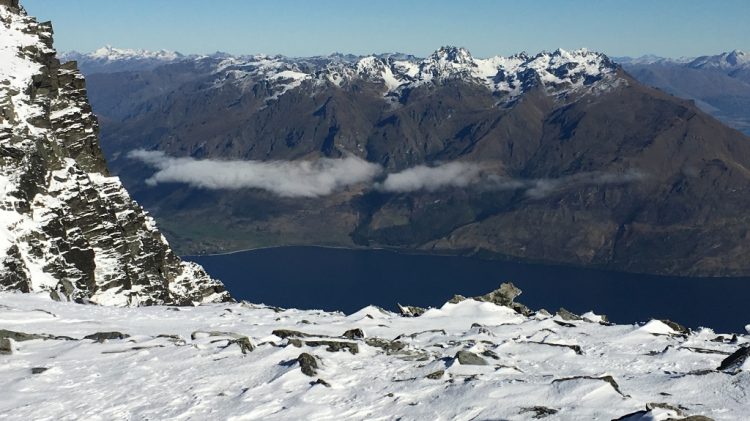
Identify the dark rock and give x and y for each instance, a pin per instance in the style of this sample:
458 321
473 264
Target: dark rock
20 336
410 311
13 4
564 324
469 358
567 315
389 346
661 405
244 344
38 370
539 411
6 346
457 299
308 364
335 346
320 382
354 334
436 375
490 354
285 333
733 363
503 296
676 327
105 336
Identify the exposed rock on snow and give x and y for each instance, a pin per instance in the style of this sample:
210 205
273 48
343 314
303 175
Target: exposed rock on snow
527 365
66 226
737 361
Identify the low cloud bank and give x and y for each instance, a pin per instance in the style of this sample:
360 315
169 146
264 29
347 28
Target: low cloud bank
284 178
324 176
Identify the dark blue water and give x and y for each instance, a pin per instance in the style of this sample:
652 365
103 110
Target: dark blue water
347 280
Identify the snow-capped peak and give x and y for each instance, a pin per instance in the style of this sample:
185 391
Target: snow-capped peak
724 61
110 53
457 55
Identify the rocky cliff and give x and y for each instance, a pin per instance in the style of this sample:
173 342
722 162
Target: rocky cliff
66 225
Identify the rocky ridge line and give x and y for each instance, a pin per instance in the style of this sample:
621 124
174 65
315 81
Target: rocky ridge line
66 226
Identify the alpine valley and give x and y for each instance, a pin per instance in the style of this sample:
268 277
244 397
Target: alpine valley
558 157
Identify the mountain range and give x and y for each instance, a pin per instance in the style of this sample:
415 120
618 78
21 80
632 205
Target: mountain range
719 84
560 157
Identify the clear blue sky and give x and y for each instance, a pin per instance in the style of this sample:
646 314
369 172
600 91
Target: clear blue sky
486 27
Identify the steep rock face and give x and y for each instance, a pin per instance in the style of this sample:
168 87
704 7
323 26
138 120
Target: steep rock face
66 226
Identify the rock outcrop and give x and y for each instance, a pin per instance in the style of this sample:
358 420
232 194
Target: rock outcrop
67 226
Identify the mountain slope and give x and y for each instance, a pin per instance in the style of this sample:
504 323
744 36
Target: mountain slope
560 157
66 226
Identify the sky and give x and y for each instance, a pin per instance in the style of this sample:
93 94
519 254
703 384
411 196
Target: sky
670 28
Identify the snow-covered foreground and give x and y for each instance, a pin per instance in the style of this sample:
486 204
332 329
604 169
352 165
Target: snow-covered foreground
234 361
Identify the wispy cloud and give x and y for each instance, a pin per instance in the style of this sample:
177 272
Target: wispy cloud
422 177
321 177
285 178
541 188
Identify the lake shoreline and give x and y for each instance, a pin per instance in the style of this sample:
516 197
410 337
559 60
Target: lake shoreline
342 279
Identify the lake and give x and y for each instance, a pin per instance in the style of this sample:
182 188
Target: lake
347 280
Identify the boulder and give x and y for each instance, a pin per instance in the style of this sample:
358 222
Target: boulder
6 346
469 358
335 346
20 336
733 363
410 311
105 336
308 364
503 296
676 327
354 334
568 315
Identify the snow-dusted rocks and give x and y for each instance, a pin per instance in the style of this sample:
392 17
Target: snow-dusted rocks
559 72
469 360
66 226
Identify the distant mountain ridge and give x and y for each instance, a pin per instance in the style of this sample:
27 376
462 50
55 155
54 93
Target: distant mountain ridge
720 84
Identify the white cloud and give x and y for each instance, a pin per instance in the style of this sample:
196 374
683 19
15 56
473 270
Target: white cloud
452 174
284 178
321 177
